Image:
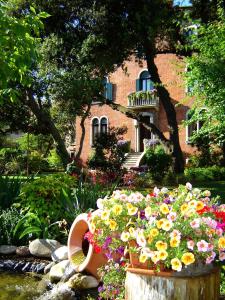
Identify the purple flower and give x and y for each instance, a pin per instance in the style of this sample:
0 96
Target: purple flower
101 288
120 250
142 214
167 201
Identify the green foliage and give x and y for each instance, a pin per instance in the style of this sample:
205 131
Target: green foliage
9 218
108 154
44 195
158 162
204 174
18 48
9 190
54 160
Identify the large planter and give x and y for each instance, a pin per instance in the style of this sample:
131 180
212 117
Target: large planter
145 284
81 254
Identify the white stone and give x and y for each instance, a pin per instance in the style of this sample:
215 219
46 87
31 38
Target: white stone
6 249
60 254
58 270
43 247
79 281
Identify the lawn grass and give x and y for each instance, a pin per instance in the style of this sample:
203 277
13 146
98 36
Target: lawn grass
217 188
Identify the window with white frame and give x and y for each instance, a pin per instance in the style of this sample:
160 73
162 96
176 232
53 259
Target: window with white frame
194 126
98 126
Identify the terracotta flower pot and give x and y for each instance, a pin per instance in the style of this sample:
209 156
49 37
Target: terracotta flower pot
83 259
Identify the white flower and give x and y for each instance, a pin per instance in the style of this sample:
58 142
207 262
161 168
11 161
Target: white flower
189 186
100 203
164 190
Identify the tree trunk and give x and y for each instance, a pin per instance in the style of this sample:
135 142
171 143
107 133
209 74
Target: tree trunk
44 119
83 131
165 99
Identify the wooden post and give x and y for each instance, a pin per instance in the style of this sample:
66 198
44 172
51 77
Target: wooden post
147 285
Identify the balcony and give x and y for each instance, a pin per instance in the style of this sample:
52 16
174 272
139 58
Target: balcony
143 99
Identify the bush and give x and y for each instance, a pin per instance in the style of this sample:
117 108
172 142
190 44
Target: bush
9 190
9 218
158 162
44 196
205 174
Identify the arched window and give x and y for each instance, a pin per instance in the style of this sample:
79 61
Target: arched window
103 125
95 129
144 82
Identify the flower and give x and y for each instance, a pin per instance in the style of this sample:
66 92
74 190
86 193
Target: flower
154 232
189 186
167 225
195 223
162 255
188 258
132 211
221 243
202 246
200 205
143 257
164 208
176 264
190 244
125 236
117 209
105 214
112 225
174 242
160 245
148 211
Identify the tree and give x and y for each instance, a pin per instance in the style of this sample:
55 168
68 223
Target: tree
18 40
206 76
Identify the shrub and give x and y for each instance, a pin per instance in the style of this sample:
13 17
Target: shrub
158 162
9 190
9 218
44 196
205 174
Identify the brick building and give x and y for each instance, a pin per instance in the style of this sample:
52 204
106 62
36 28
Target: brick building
121 85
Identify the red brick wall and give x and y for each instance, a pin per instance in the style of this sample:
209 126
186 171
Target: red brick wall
170 69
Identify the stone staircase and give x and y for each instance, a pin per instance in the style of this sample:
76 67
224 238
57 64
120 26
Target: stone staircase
133 160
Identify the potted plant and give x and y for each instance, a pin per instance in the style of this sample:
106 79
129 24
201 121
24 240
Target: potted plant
171 233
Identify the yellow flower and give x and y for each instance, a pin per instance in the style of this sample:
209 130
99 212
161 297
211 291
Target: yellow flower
159 223
148 211
112 225
155 257
174 242
132 231
167 225
129 205
188 258
125 236
132 211
142 258
184 207
176 264
150 240
105 215
162 255
92 227
221 243
164 208
199 205
160 245
154 232
117 209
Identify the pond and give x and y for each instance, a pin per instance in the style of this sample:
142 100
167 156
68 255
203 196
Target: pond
18 286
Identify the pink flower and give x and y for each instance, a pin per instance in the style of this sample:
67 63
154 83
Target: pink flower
189 186
172 216
195 223
190 244
222 256
210 247
175 233
210 222
202 246
210 258
219 232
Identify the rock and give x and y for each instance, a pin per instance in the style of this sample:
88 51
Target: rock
60 254
79 281
69 272
6 249
22 251
43 247
58 270
49 266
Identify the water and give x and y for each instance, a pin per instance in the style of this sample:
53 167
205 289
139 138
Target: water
15 286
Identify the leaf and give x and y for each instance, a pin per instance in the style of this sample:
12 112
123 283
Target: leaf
44 15
29 230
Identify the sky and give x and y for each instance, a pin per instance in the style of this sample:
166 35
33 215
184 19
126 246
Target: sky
182 2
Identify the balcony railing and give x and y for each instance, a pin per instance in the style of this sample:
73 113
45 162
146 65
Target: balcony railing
143 99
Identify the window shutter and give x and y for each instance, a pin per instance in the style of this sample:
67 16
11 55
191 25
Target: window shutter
138 85
109 91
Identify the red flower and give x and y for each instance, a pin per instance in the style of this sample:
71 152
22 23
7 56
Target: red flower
97 249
